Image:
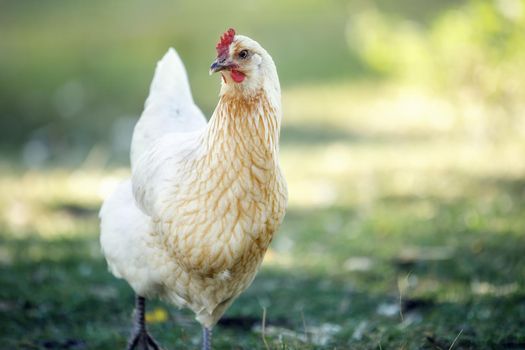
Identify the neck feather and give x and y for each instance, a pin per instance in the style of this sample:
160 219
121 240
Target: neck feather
244 126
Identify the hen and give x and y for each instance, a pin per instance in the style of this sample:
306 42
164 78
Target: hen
204 200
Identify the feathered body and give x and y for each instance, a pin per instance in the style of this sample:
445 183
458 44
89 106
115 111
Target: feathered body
205 199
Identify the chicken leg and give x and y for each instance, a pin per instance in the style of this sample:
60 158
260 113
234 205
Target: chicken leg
140 338
206 338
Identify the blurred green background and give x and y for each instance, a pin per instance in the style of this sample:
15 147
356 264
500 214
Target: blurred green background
403 143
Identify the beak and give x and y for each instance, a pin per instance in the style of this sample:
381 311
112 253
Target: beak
220 64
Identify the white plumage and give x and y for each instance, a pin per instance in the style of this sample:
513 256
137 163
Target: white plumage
169 107
193 223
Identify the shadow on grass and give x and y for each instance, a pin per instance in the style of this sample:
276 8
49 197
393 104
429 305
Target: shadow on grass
70 301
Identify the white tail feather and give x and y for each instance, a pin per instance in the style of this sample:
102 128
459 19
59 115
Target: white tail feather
169 107
170 80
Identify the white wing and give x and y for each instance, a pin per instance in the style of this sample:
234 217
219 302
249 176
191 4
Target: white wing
157 172
169 107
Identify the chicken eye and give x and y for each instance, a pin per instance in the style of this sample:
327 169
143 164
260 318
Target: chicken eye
243 54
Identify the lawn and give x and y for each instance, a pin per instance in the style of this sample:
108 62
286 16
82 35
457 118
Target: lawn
405 230
402 143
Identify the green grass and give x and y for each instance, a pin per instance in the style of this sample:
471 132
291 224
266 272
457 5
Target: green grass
406 220
404 231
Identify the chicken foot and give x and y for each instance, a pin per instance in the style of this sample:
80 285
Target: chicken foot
140 338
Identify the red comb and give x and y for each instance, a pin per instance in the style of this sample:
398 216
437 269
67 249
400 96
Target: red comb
224 44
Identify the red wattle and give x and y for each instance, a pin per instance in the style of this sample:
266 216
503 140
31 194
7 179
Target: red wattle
237 76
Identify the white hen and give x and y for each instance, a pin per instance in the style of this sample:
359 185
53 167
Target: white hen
193 223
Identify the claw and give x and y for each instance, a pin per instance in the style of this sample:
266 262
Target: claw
141 340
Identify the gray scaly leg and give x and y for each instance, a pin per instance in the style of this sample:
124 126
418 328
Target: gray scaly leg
140 338
206 338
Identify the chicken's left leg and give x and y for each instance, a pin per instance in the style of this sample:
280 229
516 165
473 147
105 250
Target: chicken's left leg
206 338
140 337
